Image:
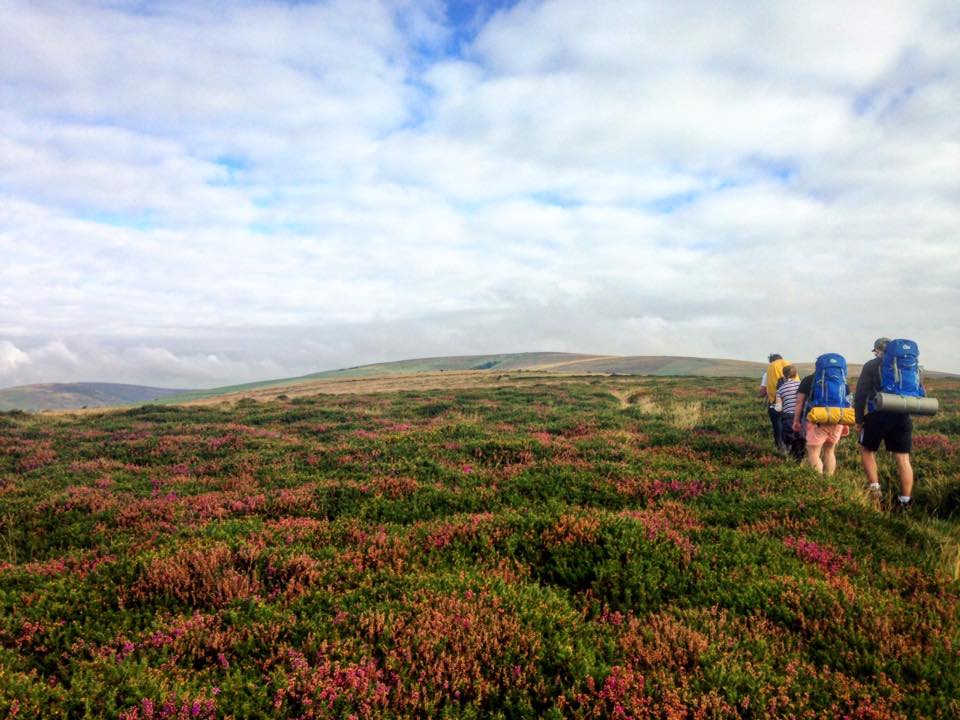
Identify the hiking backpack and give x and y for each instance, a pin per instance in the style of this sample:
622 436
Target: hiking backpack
830 382
900 369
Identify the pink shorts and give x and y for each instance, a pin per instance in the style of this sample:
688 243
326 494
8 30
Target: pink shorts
825 434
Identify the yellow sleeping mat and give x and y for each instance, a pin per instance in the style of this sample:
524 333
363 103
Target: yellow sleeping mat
831 416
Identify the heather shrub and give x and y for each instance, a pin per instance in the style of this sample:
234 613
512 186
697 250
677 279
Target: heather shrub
565 548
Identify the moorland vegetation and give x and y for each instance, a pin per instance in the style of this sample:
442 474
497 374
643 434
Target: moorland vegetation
597 547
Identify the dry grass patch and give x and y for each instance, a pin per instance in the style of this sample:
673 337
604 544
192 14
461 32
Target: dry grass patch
685 415
636 399
949 565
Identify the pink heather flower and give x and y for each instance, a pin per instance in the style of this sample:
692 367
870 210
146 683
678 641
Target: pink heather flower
824 557
127 648
468 469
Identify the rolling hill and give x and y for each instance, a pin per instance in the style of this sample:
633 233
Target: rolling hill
63 396
66 396
553 362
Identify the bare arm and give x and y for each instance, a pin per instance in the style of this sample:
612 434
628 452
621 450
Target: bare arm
798 411
867 384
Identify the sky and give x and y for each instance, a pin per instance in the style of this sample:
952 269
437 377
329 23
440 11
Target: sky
201 193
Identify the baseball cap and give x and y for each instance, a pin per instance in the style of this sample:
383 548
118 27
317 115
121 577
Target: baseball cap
880 343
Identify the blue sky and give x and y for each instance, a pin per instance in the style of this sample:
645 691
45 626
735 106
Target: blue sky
201 193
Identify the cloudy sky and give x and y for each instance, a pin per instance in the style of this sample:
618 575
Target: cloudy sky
199 193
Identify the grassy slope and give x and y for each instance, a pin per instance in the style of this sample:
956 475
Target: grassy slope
515 361
56 396
602 547
555 362
78 395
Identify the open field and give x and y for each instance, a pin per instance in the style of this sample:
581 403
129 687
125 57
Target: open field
465 545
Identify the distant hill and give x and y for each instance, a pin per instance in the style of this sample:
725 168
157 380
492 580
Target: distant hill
574 363
555 362
67 396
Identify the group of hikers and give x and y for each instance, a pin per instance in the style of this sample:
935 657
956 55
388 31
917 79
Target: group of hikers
810 416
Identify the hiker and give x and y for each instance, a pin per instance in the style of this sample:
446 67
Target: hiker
874 426
821 440
787 400
769 382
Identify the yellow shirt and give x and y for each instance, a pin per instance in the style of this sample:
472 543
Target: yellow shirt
774 373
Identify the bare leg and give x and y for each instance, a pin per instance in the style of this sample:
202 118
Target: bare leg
813 457
829 458
905 470
869 459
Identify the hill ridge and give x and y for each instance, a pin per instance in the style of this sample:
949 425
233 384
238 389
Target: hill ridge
67 396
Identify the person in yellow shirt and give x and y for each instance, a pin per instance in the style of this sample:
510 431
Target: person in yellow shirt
768 387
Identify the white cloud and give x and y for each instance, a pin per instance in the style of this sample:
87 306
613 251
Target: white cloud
811 39
79 359
11 357
55 352
185 188
114 174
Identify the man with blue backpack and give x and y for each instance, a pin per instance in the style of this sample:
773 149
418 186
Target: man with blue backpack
894 369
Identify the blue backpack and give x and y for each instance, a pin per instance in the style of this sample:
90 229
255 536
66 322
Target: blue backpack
830 382
900 369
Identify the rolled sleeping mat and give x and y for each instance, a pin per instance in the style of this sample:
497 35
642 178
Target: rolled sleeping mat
831 416
889 402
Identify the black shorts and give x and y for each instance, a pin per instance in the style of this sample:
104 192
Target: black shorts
894 429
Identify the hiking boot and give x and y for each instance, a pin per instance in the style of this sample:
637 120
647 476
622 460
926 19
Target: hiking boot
901 508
